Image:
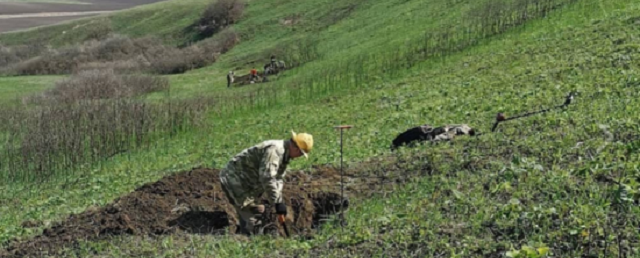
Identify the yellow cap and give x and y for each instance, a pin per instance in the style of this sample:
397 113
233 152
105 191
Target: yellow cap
304 142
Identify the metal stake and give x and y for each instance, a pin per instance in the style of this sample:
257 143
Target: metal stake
341 128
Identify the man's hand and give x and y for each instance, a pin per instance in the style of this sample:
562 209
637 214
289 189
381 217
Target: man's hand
281 209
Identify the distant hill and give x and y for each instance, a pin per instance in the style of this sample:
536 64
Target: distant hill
20 15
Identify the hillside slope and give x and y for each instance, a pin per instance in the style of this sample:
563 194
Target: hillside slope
546 182
166 20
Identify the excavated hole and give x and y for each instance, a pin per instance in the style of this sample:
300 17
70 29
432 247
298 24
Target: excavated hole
189 202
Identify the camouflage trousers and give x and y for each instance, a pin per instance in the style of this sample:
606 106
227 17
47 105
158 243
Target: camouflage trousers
249 213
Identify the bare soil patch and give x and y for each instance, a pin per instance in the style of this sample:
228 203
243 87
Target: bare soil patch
192 202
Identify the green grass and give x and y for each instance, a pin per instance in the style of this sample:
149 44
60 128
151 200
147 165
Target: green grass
519 179
45 1
14 88
165 20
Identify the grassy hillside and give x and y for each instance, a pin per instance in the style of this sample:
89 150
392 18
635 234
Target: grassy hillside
11 89
542 181
165 20
46 1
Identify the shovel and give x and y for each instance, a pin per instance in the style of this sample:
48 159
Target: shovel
281 219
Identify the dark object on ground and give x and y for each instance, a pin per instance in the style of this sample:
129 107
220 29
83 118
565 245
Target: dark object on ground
429 133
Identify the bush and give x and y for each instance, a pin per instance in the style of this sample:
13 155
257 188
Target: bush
224 42
120 67
7 56
15 54
195 56
53 137
218 16
100 84
90 116
118 53
116 48
175 61
70 59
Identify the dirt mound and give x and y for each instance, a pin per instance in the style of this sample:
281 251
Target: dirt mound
191 202
240 81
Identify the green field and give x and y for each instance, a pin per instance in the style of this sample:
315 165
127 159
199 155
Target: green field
542 182
164 19
13 88
45 1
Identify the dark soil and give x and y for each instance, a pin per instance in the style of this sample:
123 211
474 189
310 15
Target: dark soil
191 202
202 222
243 80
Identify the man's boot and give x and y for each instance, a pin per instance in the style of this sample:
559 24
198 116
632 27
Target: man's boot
258 213
242 228
252 213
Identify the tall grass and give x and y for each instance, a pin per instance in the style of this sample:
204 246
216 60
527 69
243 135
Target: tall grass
89 131
218 16
485 20
87 118
99 84
125 54
117 52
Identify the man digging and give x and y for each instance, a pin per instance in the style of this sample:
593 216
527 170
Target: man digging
260 169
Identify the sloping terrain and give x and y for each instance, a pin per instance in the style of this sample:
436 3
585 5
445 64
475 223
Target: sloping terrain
165 19
190 201
559 184
24 15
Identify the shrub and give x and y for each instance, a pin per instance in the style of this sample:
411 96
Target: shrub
218 16
116 48
100 84
7 56
203 53
121 66
53 137
118 53
15 54
53 62
175 61
224 42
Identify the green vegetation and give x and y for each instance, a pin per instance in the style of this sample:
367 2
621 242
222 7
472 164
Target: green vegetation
46 1
165 20
543 183
14 88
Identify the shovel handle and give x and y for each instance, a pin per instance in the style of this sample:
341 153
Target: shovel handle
281 219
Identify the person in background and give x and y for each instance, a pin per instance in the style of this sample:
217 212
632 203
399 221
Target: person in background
229 79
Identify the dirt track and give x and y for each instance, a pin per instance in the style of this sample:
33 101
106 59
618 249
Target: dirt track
192 202
39 14
50 14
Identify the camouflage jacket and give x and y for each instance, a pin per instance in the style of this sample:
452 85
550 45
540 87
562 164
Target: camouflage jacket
448 132
261 168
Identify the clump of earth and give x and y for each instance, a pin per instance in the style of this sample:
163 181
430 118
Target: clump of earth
192 202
